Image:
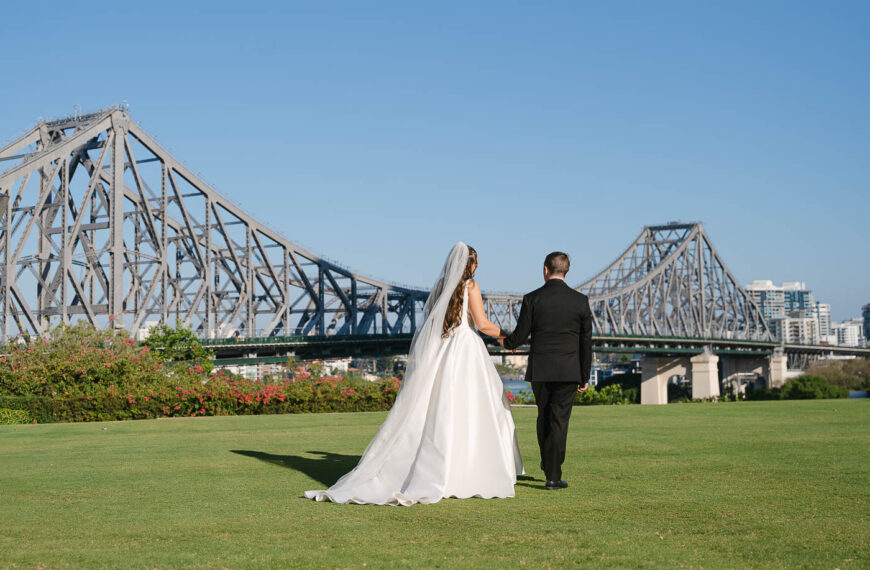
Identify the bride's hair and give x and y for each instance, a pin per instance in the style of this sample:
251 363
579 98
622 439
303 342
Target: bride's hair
453 316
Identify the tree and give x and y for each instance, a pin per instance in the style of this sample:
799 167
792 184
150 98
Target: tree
851 374
179 344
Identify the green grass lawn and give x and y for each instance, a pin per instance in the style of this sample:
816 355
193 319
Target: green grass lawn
754 484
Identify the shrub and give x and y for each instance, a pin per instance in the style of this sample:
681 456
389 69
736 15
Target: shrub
810 388
611 394
220 397
806 387
78 360
179 344
9 417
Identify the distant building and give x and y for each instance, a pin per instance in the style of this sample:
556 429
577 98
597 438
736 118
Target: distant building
799 330
823 316
145 332
769 297
866 313
270 369
858 322
336 366
790 309
849 333
829 339
798 300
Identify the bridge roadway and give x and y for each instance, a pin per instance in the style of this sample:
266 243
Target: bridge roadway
254 350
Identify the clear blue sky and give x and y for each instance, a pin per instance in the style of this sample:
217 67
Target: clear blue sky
379 133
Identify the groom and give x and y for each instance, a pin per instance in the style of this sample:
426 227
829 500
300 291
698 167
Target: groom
560 359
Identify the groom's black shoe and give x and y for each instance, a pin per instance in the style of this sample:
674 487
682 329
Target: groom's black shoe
553 485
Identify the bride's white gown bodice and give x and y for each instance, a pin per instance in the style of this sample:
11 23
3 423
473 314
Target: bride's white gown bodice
452 437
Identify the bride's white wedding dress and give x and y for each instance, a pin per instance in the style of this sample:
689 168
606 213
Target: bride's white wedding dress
450 432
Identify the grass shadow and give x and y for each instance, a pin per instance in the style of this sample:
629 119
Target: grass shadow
528 481
326 468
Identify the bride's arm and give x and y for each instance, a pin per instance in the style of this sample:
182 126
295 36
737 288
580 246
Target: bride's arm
475 303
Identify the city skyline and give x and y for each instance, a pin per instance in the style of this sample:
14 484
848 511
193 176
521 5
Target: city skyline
379 136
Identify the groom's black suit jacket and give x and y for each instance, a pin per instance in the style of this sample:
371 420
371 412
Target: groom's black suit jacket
560 322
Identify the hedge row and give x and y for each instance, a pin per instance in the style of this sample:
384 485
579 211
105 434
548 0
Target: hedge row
248 398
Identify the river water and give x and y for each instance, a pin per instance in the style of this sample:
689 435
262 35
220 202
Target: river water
517 386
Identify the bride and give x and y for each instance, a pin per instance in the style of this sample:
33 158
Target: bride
450 432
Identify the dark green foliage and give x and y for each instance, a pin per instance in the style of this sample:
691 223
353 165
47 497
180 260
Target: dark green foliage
628 383
811 388
612 394
679 392
179 344
804 387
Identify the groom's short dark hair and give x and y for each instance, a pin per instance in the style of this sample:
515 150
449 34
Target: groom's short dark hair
558 263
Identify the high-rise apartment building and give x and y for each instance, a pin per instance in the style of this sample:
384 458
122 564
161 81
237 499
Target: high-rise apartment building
798 300
849 333
823 316
790 310
769 297
866 315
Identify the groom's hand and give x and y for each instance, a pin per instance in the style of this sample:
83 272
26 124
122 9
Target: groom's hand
582 387
500 342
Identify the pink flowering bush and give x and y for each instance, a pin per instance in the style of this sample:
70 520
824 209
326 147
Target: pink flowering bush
78 361
83 374
223 394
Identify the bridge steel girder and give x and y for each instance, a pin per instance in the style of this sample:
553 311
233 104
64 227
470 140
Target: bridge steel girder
670 282
101 223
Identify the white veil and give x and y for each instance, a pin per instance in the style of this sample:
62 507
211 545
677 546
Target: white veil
427 338
408 414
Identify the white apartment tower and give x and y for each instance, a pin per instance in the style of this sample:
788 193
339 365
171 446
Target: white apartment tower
823 316
848 333
793 314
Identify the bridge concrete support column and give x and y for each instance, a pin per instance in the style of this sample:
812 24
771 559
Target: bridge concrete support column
654 375
705 376
777 369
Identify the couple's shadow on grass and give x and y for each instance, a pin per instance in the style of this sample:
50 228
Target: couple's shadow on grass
327 467
324 467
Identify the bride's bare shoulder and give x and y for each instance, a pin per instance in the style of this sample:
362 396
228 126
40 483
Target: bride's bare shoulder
472 285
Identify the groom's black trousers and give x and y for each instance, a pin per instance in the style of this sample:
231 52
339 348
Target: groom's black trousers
555 401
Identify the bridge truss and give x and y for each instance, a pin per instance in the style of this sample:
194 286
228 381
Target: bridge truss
100 222
670 282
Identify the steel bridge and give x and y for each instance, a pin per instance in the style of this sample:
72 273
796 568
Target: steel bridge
99 222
